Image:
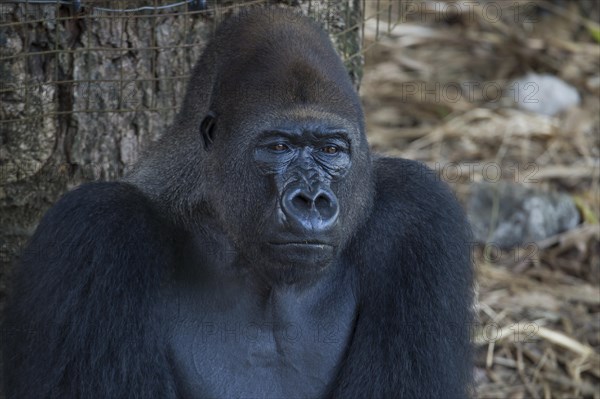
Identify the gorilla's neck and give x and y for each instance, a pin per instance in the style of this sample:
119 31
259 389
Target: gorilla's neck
293 335
212 260
216 274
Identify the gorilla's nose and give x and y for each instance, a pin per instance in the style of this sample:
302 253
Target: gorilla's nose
316 210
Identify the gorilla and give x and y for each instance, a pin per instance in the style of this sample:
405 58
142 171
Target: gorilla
256 250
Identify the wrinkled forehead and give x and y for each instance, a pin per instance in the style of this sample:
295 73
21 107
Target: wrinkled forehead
282 85
312 116
275 96
300 118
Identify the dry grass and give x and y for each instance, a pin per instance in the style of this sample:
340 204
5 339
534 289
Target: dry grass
539 306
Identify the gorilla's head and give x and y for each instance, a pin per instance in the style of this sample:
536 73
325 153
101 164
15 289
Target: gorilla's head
277 128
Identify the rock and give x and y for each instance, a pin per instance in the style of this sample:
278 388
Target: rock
524 215
543 94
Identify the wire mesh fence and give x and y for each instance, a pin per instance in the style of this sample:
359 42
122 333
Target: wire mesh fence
62 58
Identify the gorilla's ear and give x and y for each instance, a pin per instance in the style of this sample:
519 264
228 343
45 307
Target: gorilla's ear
207 129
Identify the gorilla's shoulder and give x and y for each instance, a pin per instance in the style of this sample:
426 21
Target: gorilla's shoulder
88 280
99 218
101 205
411 193
104 195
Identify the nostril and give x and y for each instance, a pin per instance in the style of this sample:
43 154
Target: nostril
326 205
302 201
322 202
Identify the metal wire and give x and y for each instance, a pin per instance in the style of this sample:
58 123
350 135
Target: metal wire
115 10
75 38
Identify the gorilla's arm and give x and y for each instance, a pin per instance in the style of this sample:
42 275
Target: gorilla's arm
80 320
415 283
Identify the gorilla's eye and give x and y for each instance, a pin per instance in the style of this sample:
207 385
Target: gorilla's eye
278 147
330 149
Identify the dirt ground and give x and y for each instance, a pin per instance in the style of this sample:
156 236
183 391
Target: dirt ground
538 306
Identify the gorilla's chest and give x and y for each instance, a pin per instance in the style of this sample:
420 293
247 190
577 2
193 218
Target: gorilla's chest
233 350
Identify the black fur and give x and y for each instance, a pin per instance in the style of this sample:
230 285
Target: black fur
80 322
87 315
415 283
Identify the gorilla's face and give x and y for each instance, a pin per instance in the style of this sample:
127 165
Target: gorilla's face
292 190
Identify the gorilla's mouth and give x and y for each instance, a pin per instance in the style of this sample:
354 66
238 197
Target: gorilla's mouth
308 255
305 252
305 244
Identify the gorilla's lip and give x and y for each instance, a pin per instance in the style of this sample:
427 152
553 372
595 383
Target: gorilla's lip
307 243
